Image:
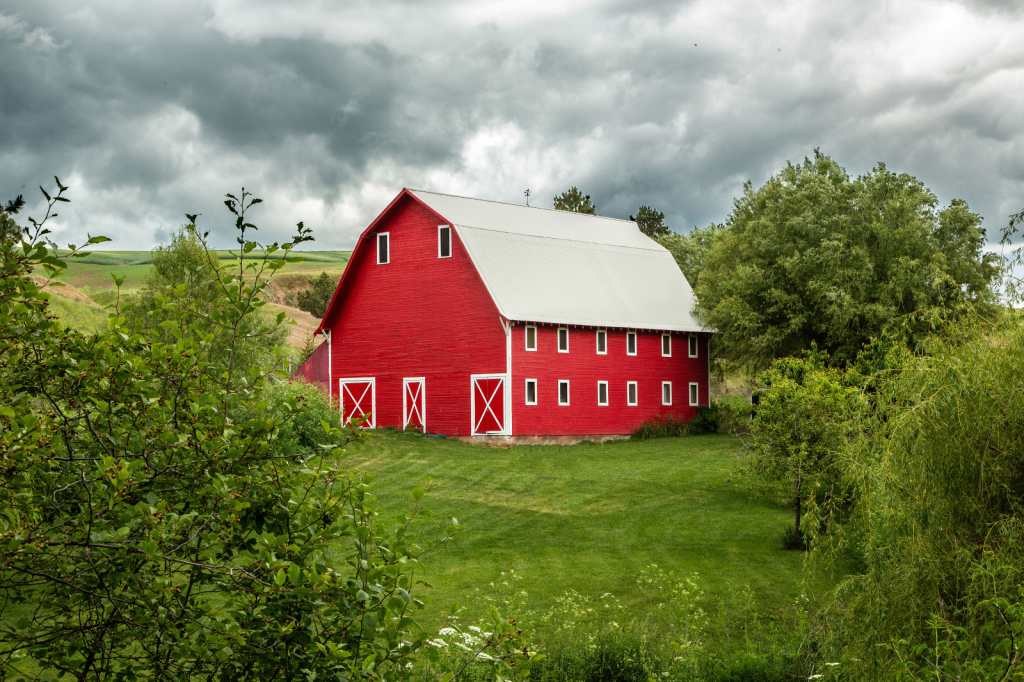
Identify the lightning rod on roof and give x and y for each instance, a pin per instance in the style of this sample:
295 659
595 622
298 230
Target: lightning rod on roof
527 193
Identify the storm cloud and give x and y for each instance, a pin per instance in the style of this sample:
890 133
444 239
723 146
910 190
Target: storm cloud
326 110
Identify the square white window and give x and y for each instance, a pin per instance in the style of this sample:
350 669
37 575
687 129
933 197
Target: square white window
693 345
531 337
631 393
383 250
694 395
666 345
563 340
602 342
630 343
563 392
666 393
602 393
444 241
531 391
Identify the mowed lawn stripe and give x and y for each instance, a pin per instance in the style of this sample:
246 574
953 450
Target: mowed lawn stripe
589 517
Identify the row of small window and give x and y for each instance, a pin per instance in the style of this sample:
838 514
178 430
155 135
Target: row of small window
444 244
602 342
602 393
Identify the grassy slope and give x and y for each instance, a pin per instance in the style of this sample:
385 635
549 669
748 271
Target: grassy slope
92 276
590 517
93 271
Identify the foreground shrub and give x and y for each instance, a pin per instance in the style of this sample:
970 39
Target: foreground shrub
152 526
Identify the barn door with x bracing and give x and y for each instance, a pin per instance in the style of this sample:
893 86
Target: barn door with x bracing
488 405
358 398
414 404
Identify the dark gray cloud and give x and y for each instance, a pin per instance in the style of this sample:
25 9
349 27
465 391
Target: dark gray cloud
326 110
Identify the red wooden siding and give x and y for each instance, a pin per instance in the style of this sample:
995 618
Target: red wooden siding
583 368
416 316
314 369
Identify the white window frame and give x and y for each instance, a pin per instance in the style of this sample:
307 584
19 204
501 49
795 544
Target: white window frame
560 330
636 394
526 337
601 333
693 345
635 343
663 353
694 394
441 228
387 236
567 396
526 391
599 385
667 384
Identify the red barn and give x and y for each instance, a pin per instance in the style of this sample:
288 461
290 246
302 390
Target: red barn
476 318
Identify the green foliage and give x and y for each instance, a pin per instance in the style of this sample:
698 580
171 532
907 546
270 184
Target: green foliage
304 430
669 425
800 431
651 222
815 256
733 413
316 299
152 525
187 278
691 249
661 426
938 470
707 420
573 200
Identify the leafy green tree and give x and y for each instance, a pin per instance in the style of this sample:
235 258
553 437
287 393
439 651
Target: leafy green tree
651 222
316 299
815 256
574 200
691 249
152 526
800 430
187 264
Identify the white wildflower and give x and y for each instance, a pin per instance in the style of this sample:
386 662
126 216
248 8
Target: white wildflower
447 632
474 628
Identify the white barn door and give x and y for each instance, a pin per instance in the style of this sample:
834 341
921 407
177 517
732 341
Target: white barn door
487 408
414 403
358 398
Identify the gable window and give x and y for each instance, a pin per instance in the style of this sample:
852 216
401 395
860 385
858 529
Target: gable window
694 394
693 345
563 392
602 393
563 340
444 241
666 345
631 393
531 391
602 342
531 337
630 343
383 242
666 393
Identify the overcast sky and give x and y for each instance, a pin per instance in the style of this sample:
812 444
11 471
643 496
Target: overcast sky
327 109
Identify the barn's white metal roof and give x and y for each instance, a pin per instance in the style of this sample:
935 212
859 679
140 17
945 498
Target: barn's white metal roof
558 267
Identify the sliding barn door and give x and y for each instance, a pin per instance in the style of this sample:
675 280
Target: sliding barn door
414 403
488 407
358 398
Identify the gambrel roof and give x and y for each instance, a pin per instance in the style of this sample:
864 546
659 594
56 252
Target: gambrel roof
559 267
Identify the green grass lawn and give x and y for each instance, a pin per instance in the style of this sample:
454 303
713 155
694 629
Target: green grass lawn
590 517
